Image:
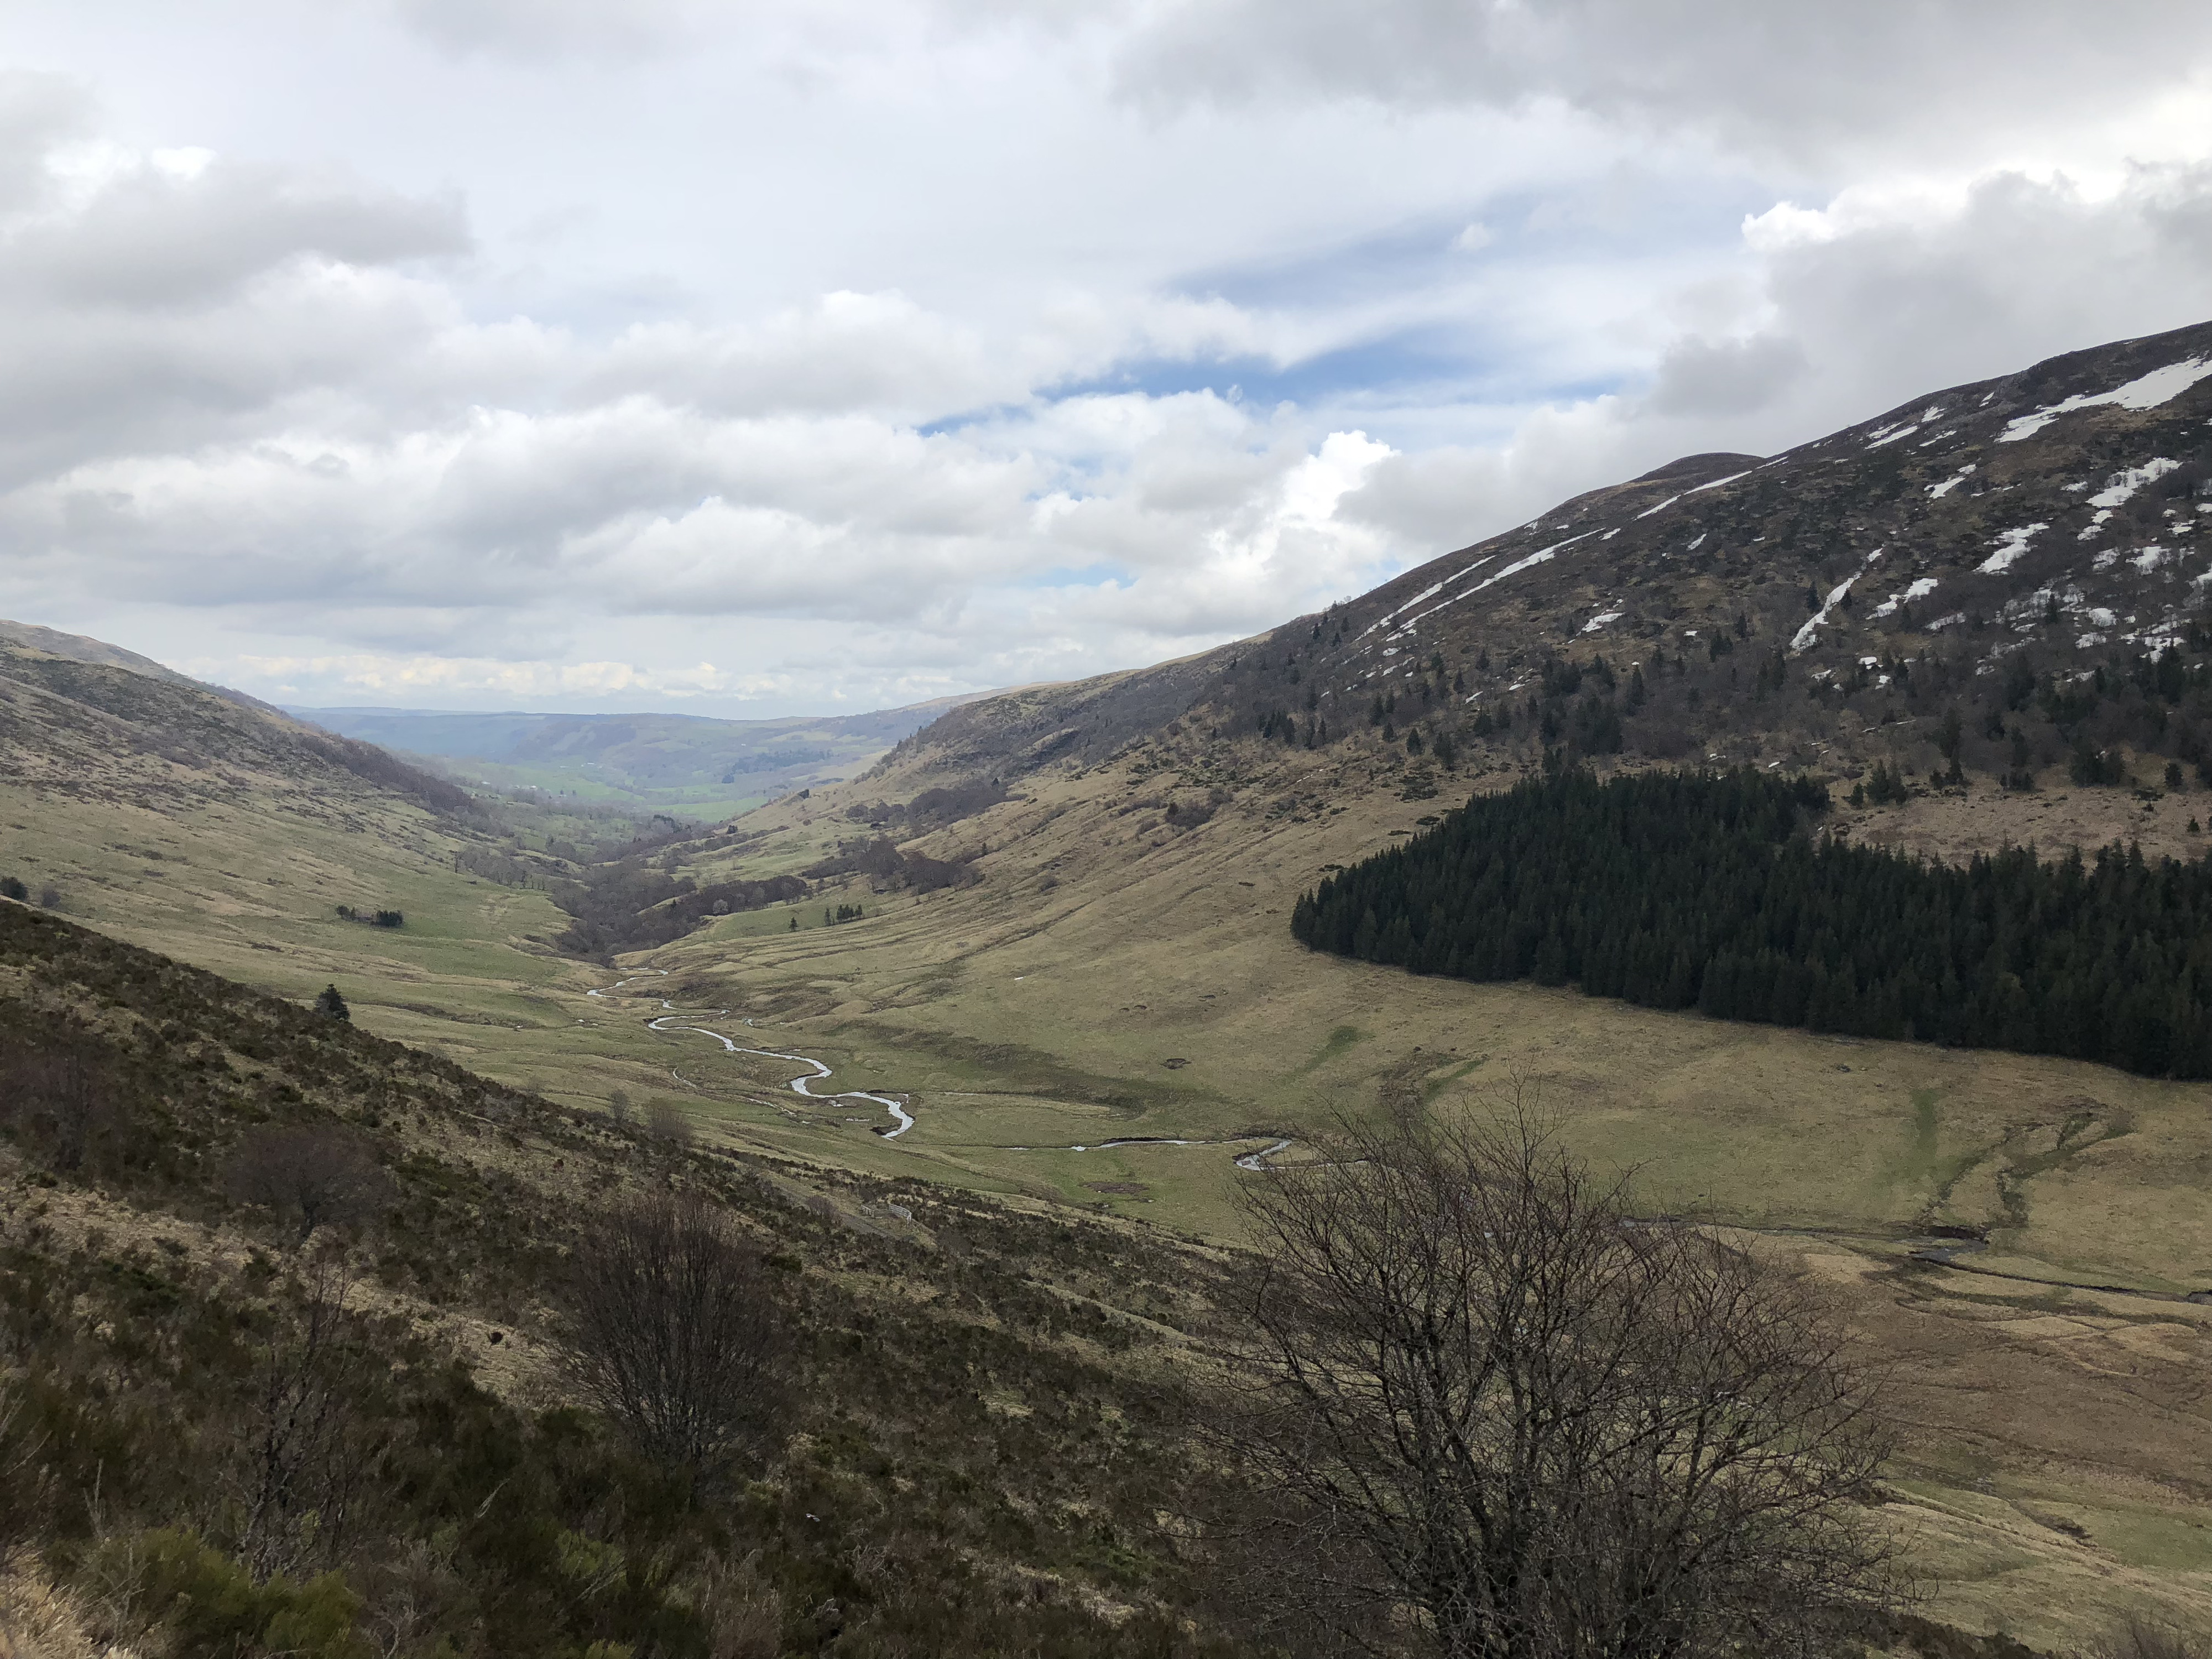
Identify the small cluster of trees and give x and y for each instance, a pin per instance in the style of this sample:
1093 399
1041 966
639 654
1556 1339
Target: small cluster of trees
374 918
888 866
1885 787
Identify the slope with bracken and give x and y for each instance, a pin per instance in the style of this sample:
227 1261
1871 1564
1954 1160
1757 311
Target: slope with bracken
222 1431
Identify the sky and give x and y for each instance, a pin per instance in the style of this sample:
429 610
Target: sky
748 358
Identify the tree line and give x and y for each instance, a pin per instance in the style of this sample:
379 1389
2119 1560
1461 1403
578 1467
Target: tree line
1716 892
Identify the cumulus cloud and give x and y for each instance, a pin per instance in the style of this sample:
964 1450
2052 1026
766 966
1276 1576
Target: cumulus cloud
829 394
1807 82
1845 310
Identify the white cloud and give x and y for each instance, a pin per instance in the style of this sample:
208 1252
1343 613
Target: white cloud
747 356
1879 78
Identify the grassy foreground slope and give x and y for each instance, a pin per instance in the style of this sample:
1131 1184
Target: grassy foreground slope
989 1456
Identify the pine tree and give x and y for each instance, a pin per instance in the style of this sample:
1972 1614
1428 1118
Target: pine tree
1675 890
331 1005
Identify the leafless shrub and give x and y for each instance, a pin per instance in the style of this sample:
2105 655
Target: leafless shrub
1496 1417
64 1092
412 1593
743 1612
24 1484
324 1176
674 1335
302 1461
665 1120
618 1105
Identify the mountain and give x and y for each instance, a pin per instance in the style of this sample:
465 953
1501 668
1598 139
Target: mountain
1987 548
668 763
1054 927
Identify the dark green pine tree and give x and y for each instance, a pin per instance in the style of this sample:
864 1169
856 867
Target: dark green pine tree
1719 893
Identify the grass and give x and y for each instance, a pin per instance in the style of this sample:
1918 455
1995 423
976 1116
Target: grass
1142 954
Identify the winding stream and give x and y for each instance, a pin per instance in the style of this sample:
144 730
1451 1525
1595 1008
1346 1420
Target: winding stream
1258 1162
667 1023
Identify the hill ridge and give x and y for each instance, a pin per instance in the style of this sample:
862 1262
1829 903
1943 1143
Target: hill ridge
2056 513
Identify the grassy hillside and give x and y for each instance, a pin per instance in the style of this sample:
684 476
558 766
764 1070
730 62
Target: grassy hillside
1086 994
992 1450
984 1458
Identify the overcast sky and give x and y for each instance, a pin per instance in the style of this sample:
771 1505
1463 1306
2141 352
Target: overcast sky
747 359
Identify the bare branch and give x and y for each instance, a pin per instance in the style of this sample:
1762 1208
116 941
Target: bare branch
1500 1418
675 1336
324 1176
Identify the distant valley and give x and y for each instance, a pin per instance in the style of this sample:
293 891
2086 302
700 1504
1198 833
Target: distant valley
678 763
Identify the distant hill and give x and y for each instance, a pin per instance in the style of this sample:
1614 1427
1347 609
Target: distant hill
86 719
653 761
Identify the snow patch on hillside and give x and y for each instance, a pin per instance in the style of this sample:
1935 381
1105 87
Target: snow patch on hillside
2120 486
2161 385
1514 570
2010 546
1919 588
1803 640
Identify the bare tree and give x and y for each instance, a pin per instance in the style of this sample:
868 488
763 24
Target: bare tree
65 1091
301 1460
325 1176
665 1120
674 1335
1499 1419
